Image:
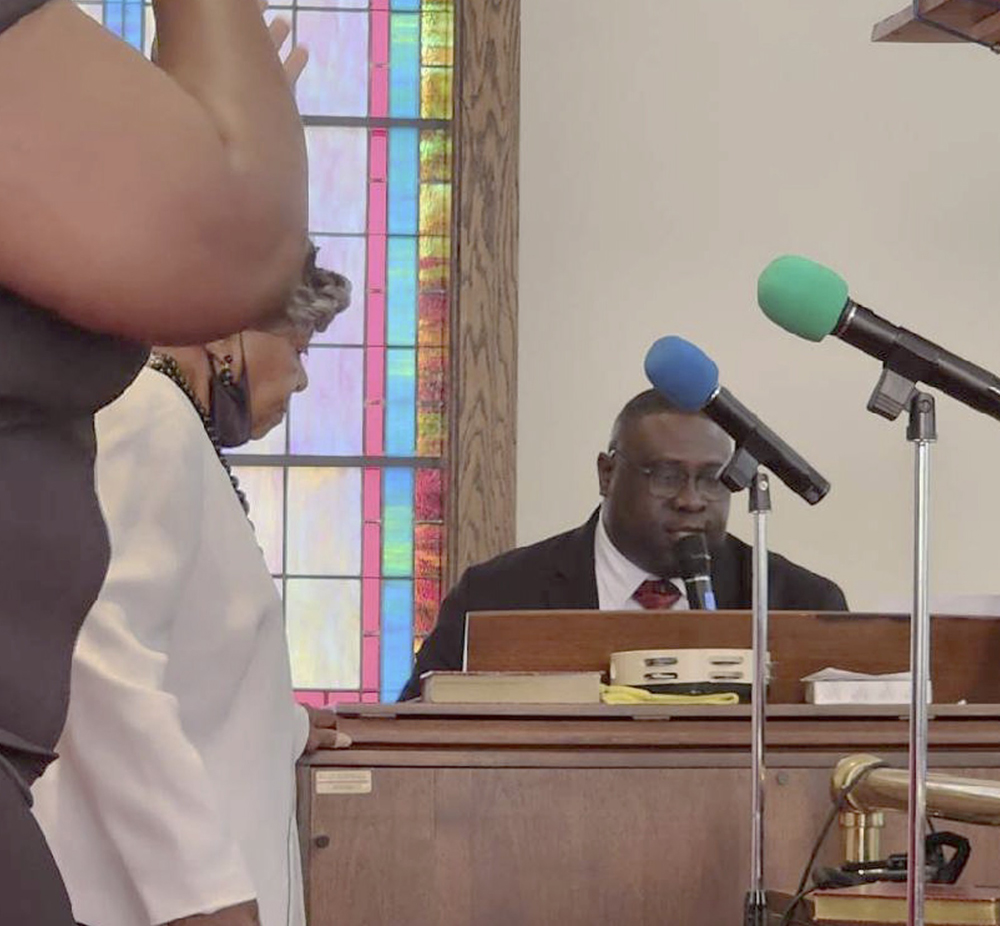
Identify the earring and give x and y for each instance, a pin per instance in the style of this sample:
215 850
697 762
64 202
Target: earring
226 373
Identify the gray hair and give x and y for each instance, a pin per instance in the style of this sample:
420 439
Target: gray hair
320 296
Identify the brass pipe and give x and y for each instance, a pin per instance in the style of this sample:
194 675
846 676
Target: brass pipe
972 800
862 835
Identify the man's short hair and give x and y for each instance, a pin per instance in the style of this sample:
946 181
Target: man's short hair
645 403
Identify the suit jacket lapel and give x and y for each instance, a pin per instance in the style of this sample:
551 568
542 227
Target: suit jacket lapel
573 584
729 566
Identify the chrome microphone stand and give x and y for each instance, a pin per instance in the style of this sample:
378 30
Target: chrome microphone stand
743 471
760 505
921 431
894 392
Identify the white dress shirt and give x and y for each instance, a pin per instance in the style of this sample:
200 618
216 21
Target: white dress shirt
618 577
175 790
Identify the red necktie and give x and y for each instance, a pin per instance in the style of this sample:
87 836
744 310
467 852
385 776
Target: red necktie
657 595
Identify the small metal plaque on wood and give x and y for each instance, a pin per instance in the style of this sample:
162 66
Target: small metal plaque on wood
343 781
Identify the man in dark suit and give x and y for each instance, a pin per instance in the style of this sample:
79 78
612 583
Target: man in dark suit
658 481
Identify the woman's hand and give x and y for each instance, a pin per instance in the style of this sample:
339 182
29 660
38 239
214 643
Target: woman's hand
279 28
323 733
298 56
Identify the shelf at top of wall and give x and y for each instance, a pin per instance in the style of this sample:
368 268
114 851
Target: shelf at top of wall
943 21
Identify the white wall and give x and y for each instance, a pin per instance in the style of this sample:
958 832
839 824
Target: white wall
669 150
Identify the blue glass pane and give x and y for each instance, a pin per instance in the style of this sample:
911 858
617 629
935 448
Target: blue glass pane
114 17
400 402
397 636
404 171
124 18
397 522
327 417
406 4
134 16
401 295
404 66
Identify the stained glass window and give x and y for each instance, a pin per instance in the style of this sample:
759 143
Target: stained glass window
347 495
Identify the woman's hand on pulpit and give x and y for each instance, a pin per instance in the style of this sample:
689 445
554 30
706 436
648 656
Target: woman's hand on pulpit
323 732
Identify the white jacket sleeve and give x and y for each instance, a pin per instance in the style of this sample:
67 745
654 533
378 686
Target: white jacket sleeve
146 782
302 730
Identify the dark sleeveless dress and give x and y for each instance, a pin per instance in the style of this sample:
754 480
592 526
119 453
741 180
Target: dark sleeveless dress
53 556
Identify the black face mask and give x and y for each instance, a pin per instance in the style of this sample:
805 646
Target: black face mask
229 405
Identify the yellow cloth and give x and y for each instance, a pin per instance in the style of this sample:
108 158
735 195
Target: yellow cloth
625 694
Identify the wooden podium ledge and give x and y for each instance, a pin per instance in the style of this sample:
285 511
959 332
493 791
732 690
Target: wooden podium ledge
402 730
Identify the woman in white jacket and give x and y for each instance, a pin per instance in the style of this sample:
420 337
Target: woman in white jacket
174 796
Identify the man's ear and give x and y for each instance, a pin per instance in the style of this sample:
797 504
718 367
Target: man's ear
605 468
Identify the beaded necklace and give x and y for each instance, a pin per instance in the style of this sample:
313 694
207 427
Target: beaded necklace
169 368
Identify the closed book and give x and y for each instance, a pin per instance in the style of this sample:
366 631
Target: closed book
511 687
885 902
840 686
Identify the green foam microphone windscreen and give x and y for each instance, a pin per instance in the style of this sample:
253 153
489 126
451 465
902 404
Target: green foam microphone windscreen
801 296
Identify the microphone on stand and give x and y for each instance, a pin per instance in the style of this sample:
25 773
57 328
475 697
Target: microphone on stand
696 570
689 380
812 301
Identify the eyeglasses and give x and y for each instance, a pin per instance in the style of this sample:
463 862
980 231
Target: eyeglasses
668 480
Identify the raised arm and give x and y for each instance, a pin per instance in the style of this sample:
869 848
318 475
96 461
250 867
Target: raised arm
165 203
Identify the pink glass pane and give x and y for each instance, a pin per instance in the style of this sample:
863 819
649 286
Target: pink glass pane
346 255
335 81
370 663
341 697
326 418
371 601
338 178
312 698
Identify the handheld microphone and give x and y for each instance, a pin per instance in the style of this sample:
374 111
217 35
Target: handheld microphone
689 380
810 300
696 570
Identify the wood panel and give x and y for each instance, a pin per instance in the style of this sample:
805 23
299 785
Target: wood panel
483 410
492 846
965 651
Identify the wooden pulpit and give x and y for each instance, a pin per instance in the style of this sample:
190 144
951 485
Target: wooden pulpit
462 815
